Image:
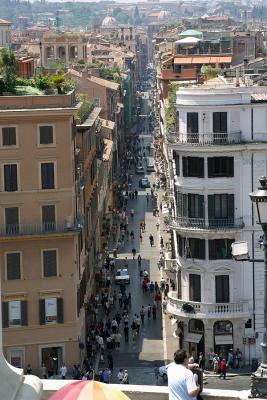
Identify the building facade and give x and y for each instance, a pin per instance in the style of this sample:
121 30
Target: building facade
40 231
217 153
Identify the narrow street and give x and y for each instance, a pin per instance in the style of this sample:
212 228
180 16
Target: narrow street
140 358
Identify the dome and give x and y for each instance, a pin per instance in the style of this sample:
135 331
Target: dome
163 14
191 33
109 22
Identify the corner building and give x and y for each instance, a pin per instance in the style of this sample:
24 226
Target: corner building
39 231
217 152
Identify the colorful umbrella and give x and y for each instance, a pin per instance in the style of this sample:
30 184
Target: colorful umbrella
88 390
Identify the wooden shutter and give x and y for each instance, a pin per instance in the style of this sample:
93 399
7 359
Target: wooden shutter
179 285
5 316
10 177
60 311
194 287
47 176
13 266
50 263
24 313
46 134
230 167
192 122
211 167
201 208
185 205
12 215
9 136
231 206
42 311
222 288
185 166
211 206
212 250
220 122
200 163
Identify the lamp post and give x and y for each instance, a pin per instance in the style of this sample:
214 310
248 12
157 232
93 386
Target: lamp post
259 378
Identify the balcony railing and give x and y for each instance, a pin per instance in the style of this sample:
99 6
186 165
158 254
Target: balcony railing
205 224
216 310
204 139
38 229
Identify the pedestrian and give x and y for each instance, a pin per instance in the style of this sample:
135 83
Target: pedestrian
110 361
238 358
129 298
63 371
138 324
106 375
139 260
164 305
120 375
215 362
230 359
141 237
147 198
114 325
120 299
223 367
43 371
149 311
142 314
201 361
118 340
29 370
154 311
125 378
181 382
126 333
132 212
126 262
157 225
134 253
161 242
132 235
151 240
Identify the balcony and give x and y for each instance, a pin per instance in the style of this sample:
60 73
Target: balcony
17 230
219 224
190 309
204 139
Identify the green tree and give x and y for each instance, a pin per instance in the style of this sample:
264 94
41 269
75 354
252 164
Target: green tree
170 113
8 68
210 72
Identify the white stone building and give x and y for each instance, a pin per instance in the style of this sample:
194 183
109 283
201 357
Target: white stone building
5 33
217 154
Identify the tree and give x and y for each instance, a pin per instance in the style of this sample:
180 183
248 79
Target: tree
210 72
8 68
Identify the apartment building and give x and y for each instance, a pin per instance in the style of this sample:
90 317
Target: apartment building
39 231
217 153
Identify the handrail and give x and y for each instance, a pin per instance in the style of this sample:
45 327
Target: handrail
207 138
37 229
202 223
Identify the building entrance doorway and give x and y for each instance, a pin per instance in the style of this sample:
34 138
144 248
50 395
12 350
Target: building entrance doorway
52 357
196 337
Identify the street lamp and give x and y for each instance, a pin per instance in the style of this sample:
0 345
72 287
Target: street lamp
259 378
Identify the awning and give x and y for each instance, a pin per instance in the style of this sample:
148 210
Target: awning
223 339
203 60
193 337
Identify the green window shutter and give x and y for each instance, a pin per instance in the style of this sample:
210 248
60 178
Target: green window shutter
42 311
185 205
210 167
212 250
179 204
60 311
201 208
5 316
211 206
201 167
231 206
24 313
230 167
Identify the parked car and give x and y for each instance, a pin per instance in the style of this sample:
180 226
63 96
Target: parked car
122 276
140 170
144 183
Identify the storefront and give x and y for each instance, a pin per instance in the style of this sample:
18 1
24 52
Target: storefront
223 338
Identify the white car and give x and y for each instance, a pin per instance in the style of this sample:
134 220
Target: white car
122 277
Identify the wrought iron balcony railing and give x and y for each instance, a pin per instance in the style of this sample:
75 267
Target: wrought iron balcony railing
38 229
204 139
205 224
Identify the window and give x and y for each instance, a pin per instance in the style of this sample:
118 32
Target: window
10 178
220 249
47 175
177 162
196 248
13 266
193 167
192 122
49 218
12 220
221 206
9 136
222 289
51 310
194 287
190 205
179 284
14 313
220 167
220 122
49 263
46 134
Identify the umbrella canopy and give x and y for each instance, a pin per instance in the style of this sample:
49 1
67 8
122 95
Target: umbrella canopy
88 390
